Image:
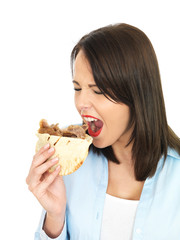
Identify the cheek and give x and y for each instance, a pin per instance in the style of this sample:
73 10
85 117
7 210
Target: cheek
118 118
76 103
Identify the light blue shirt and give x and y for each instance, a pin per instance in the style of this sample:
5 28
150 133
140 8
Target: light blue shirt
158 212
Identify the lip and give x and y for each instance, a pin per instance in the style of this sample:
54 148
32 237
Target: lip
93 134
90 116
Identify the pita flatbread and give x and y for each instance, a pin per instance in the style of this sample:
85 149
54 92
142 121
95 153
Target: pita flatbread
71 152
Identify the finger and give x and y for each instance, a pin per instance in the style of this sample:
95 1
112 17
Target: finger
45 166
48 181
42 149
45 175
36 174
42 156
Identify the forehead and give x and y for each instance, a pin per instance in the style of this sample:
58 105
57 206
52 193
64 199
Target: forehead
82 69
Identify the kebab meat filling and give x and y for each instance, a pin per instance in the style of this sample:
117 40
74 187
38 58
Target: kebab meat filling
74 131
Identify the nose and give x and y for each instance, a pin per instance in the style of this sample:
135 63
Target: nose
83 102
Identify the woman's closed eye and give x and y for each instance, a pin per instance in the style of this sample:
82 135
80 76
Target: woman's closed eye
96 92
77 89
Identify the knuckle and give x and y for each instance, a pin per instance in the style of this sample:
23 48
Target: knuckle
27 180
34 157
49 163
36 192
30 188
44 155
48 180
33 190
36 171
34 160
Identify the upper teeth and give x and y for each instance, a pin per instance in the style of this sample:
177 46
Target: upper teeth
89 119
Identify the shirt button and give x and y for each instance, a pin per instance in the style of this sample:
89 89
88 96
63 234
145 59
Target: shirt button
138 231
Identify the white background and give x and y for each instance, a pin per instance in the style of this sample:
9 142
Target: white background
36 39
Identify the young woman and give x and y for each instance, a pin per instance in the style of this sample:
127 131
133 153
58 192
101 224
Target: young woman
129 185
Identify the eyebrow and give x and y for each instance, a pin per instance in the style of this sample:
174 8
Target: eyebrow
90 85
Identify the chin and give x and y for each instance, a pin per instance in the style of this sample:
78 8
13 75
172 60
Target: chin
99 144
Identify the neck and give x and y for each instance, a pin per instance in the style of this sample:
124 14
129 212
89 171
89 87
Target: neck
123 153
122 182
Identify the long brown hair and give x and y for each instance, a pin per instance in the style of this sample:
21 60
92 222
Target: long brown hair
125 69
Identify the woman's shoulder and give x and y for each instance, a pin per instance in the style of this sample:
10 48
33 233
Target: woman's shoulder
173 154
173 159
172 164
168 168
166 180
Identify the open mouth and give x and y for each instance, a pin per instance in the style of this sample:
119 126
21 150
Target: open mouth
95 125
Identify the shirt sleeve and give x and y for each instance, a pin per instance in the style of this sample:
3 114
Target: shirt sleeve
41 235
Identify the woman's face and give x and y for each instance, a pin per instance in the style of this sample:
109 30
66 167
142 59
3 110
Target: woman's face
107 120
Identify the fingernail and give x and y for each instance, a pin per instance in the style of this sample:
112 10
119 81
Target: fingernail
54 159
46 146
50 150
58 167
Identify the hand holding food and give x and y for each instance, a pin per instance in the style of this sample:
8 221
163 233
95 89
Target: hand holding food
48 188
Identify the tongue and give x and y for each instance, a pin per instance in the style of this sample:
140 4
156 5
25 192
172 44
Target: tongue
98 123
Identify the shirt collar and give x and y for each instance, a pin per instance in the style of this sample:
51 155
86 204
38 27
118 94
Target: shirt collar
173 153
